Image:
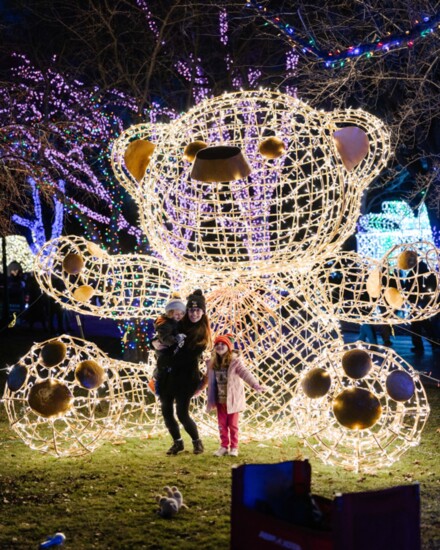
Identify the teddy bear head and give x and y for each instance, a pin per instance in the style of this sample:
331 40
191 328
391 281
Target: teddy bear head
250 181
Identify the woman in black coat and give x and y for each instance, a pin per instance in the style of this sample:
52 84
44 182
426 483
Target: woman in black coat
180 380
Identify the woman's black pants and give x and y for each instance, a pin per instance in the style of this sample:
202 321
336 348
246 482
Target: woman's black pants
182 411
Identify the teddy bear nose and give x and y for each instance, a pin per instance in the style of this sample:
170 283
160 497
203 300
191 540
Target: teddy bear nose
220 163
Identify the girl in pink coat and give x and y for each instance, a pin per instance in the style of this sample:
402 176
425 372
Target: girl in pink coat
226 374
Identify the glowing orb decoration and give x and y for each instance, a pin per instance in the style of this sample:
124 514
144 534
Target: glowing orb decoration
357 408
51 408
316 383
50 398
407 260
227 218
359 424
53 353
356 363
16 377
363 290
119 287
89 374
400 385
73 263
272 148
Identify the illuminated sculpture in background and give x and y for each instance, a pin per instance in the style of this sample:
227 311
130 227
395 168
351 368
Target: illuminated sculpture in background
396 224
246 195
17 249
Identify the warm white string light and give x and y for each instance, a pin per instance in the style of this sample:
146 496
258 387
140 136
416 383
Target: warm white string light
300 204
57 410
81 276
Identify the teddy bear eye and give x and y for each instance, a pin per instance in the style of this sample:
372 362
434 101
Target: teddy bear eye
272 148
192 149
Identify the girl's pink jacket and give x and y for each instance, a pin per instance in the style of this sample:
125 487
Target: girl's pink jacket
237 373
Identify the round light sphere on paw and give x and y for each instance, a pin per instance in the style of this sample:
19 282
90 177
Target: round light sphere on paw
83 293
53 353
89 374
50 398
192 149
73 263
16 377
374 283
272 148
316 383
407 260
357 409
400 385
356 363
394 298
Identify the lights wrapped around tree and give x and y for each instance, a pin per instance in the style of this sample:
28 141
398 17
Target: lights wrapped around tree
359 406
82 277
18 250
405 284
64 397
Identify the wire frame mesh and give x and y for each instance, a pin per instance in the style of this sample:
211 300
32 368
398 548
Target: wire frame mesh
278 335
92 414
114 286
303 202
141 415
398 428
363 290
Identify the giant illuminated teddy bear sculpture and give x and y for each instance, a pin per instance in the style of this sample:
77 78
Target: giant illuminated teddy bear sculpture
251 196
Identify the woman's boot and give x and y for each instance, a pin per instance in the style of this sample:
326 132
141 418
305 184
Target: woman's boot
176 447
198 446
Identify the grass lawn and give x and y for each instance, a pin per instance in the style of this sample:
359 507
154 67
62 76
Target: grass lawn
107 499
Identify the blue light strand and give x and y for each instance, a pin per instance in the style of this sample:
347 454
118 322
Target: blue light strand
337 59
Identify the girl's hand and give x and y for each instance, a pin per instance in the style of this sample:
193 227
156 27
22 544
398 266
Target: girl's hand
261 389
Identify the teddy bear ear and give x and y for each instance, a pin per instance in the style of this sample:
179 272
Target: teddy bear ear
362 142
352 144
137 157
133 151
